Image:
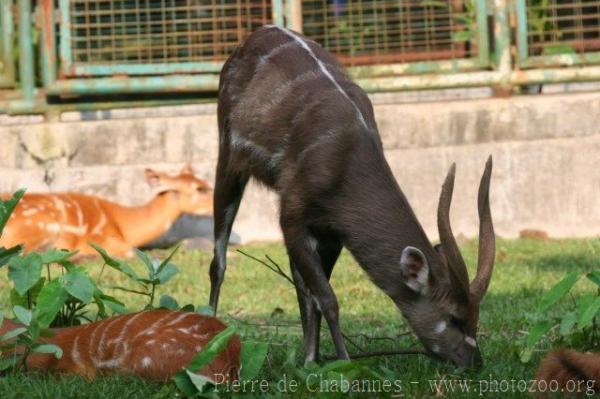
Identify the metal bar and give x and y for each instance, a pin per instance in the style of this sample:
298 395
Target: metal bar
554 60
430 81
48 42
142 69
502 43
8 63
455 65
26 56
65 36
294 14
522 31
483 48
153 84
557 75
277 10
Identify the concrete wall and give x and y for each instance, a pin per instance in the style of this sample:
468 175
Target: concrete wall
546 158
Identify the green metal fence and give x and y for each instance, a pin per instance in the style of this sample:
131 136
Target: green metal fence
426 36
95 51
7 65
558 32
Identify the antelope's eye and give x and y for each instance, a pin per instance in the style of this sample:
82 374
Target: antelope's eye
458 322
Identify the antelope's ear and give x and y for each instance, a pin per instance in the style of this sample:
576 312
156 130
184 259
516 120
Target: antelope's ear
187 169
152 177
415 270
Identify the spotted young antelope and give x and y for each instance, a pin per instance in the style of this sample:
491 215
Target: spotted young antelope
152 344
72 220
290 117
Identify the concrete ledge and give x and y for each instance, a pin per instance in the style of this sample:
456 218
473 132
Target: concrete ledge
546 151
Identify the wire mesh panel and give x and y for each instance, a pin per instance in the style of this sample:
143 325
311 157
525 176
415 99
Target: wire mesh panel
184 34
362 32
563 26
558 31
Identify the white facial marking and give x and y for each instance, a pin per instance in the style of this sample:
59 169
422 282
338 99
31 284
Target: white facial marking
440 327
471 341
325 72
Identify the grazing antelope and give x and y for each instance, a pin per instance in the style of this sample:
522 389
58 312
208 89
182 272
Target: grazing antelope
71 220
290 117
153 344
567 370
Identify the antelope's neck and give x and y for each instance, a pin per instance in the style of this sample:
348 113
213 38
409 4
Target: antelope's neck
378 222
141 224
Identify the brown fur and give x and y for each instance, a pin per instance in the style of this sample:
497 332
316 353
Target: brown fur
167 349
568 367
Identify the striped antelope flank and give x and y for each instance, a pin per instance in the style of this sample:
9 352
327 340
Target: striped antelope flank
71 220
290 117
152 344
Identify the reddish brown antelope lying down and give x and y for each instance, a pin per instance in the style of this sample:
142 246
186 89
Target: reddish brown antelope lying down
153 345
72 220
290 117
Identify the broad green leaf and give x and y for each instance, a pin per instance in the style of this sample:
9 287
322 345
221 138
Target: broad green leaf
146 261
49 348
7 208
23 315
587 314
25 271
56 255
30 297
7 254
252 357
114 304
13 333
8 362
185 384
537 332
205 310
168 302
340 366
51 299
115 263
594 277
166 273
558 291
212 349
164 263
203 384
78 284
567 323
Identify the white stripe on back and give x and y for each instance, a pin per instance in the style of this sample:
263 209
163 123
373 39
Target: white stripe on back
325 71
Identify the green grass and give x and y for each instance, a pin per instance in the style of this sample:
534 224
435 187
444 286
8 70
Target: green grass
263 307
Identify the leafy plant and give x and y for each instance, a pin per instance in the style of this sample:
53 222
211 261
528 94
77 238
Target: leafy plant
578 325
158 272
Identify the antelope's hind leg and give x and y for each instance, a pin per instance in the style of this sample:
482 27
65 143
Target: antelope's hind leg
229 189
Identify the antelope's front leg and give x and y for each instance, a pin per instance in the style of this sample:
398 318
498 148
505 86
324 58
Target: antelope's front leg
302 250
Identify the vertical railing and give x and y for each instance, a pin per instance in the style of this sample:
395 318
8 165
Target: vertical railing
7 63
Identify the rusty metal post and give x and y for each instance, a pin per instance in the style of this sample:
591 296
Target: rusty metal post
294 15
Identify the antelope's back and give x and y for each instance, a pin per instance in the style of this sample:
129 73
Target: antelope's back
281 92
